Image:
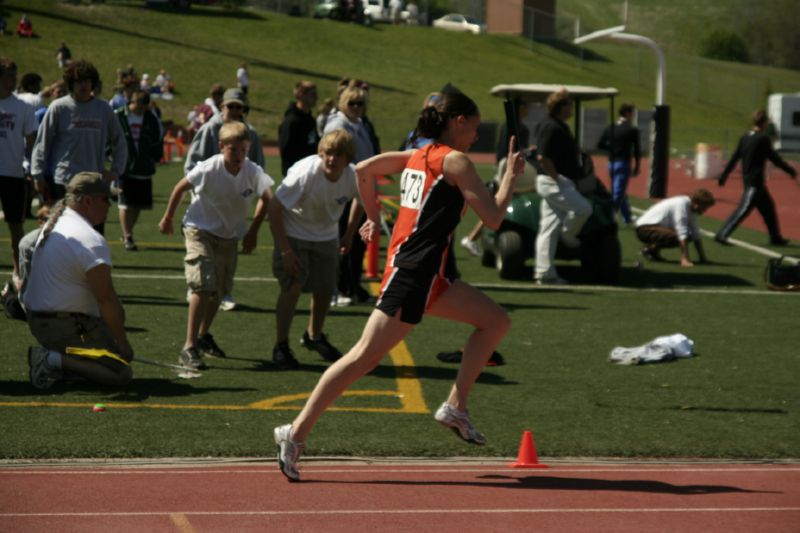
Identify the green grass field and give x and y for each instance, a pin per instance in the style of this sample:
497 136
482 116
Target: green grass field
736 399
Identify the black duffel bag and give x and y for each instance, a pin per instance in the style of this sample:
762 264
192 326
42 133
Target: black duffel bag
782 274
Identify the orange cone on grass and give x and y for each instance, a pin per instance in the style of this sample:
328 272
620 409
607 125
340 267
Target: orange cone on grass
527 456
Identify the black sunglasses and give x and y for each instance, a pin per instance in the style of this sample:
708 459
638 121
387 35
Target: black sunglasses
355 104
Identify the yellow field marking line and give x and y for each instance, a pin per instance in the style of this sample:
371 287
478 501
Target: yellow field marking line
408 392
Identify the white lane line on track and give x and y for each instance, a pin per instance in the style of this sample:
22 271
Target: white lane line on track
350 470
310 512
753 247
613 288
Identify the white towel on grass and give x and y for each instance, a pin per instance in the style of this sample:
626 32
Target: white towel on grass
660 349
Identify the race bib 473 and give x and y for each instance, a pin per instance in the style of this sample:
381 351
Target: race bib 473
411 188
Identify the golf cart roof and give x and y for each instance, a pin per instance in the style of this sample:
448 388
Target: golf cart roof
538 92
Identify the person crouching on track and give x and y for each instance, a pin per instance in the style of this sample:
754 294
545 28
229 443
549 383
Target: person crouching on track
672 223
438 182
304 217
223 187
73 309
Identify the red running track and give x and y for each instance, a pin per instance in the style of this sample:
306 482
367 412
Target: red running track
784 191
410 496
681 180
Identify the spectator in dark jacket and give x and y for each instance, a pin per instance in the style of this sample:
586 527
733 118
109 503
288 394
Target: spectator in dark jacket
754 149
297 134
621 141
145 138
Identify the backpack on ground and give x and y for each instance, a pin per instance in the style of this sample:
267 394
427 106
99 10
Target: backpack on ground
782 274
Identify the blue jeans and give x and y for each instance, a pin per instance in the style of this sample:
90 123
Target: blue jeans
620 172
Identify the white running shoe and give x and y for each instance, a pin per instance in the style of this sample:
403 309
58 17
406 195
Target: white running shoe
288 452
471 246
341 301
227 303
459 422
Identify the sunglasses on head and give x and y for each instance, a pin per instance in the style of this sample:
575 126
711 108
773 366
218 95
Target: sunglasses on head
234 106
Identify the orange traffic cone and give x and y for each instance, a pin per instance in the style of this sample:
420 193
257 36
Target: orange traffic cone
527 456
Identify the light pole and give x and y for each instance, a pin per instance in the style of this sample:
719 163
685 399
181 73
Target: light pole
659 131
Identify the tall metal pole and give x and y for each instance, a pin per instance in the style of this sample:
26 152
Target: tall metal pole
661 75
659 163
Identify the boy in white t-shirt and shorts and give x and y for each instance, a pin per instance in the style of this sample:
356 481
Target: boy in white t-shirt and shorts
304 217
223 187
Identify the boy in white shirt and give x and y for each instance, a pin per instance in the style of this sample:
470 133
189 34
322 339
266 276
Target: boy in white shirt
304 217
223 187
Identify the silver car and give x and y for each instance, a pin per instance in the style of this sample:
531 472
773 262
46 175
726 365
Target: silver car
458 22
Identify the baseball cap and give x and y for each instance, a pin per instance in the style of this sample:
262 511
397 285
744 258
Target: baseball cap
233 96
90 184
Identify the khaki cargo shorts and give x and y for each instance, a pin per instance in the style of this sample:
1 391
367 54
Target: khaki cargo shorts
319 266
210 262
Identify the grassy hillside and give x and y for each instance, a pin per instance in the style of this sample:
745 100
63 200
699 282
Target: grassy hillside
677 25
710 100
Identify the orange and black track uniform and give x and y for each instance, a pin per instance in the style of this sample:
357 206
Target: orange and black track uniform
417 266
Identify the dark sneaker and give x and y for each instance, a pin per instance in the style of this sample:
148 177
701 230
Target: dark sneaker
206 344
460 423
652 254
554 280
496 359
328 351
721 240
779 242
190 358
361 296
129 244
283 357
288 452
42 375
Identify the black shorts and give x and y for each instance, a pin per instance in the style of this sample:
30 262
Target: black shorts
411 293
136 193
14 198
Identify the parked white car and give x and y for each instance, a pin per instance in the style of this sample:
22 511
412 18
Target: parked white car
458 22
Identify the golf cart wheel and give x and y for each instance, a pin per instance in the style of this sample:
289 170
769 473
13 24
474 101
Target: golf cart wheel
602 261
488 258
510 260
